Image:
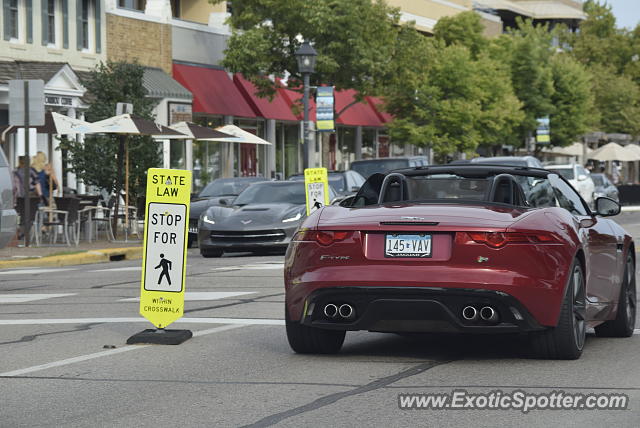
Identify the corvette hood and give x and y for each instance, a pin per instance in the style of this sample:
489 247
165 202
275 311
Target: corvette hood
442 216
253 216
198 206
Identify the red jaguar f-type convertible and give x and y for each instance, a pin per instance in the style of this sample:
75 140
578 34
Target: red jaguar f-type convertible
462 248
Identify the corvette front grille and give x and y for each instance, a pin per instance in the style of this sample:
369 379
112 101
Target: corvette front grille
248 235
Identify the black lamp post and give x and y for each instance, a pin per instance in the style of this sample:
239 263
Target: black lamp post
306 57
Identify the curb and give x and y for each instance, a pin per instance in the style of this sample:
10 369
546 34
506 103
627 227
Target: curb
87 257
630 208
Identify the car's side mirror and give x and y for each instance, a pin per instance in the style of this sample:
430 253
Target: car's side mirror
607 207
223 202
582 177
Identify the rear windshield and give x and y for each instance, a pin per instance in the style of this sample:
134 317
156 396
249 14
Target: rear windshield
565 172
367 168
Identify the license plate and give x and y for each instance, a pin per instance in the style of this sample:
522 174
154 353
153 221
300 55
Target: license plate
415 245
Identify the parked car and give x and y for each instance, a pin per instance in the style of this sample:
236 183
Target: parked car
579 178
459 249
528 161
263 217
604 187
344 183
8 216
368 167
221 191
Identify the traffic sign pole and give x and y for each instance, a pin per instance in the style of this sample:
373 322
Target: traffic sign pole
26 222
164 257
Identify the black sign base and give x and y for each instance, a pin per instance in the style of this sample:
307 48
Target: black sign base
160 337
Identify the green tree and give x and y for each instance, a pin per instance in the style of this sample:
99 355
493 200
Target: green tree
360 43
617 99
94 161
528 51
464 29
573 99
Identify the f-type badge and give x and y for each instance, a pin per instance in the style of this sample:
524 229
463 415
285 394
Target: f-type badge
334 258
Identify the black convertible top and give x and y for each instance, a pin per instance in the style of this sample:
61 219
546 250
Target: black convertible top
473 170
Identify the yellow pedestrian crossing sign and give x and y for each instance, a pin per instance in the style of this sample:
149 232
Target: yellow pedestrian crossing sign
164 257
316 184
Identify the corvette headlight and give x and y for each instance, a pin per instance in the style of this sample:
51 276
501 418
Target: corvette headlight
294 218
208 219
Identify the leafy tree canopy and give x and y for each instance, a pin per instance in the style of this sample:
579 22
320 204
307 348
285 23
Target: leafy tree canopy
360 43
94 161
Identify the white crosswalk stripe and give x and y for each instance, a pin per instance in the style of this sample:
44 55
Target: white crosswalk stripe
33 271
254 266
201 295
120 269
22 298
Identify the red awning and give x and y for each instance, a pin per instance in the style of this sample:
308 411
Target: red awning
278 108
294 99
213 91
377 104
359 114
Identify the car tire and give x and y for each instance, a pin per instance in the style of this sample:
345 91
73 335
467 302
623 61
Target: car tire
566 340
210 253
310 340
625 321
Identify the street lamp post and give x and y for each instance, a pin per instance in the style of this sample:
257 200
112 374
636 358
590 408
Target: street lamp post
306 57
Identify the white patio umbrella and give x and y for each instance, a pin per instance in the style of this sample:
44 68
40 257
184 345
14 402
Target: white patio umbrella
197 132
239 136
613 151
633 148
575 149
126 124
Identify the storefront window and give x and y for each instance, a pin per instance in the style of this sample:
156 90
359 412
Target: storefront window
177 154
369 143
207 155
346 147
249 159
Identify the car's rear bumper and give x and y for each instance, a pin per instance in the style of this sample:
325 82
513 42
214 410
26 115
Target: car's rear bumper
417 309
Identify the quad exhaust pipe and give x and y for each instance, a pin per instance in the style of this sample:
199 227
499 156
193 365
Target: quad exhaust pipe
330 310
486 313
344 311
470 313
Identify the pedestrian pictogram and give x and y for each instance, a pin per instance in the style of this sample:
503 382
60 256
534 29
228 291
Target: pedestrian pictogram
165 245
166 267
316 183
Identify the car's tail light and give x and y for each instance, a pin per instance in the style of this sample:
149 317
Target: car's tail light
500 239
322 237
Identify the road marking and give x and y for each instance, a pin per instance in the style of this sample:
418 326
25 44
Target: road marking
21 298
636 331
33 271
254 266
81 358
200 295
120 269
45 321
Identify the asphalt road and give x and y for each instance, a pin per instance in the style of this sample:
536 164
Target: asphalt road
64 361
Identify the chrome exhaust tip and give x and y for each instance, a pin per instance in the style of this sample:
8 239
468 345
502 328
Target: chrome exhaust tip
330 310
469 313
347 311
489 314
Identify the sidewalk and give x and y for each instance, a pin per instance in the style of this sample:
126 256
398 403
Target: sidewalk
85 253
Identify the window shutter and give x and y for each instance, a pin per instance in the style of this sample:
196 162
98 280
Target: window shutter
5 19
98 18
29 7
65 24
79 24
45 22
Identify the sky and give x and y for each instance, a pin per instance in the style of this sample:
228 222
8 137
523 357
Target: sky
627 12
